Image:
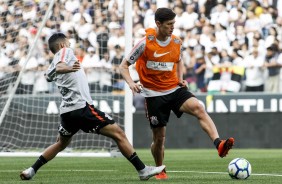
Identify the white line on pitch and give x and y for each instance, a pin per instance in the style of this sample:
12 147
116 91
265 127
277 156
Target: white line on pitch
91 170
70 170
201 172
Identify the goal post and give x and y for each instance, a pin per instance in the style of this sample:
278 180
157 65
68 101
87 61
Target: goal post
29 119
128 101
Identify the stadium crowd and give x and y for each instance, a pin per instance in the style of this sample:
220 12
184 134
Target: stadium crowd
225 42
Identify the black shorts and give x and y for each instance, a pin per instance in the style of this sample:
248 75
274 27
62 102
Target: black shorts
158 108
88 119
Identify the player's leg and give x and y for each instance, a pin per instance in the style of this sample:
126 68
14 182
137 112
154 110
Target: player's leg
157 149
192 106
48 154
66 131
53 150
157 146
115 132
158 113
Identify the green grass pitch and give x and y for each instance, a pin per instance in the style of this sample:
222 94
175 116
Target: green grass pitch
183 166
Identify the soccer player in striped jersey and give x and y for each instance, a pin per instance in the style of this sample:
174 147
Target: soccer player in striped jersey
78 112
158 63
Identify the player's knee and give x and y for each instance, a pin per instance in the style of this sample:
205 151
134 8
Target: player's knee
199 110
63 142
159 140
119 135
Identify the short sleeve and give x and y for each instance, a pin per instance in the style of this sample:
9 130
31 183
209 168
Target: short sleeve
137 51
67 56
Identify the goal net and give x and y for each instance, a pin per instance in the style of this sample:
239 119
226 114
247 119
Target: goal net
29 104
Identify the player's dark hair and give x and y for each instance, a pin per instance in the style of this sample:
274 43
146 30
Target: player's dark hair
55 40
164 14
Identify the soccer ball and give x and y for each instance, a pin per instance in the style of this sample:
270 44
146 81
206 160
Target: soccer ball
239 168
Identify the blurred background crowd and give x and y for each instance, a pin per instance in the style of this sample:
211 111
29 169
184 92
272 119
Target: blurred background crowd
223 41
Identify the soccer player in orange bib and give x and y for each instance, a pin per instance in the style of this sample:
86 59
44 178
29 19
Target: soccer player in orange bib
158 63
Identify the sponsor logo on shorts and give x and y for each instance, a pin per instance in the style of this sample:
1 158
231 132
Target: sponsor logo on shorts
94 130
154 120
63 131
108 116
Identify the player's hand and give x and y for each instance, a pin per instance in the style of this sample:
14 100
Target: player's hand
183 83
136 88
76 66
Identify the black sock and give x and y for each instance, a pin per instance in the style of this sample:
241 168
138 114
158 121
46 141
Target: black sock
136 162
40 162
216 142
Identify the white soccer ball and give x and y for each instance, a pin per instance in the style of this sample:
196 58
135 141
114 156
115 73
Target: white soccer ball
239 168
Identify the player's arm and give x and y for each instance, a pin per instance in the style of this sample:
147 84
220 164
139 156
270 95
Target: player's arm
182 82
62 67
180 70
65 63
124 70
133 56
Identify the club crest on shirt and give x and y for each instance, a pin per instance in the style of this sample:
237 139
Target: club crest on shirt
177 41
151 37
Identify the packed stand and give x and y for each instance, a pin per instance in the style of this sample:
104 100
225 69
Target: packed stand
228 46
94 29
